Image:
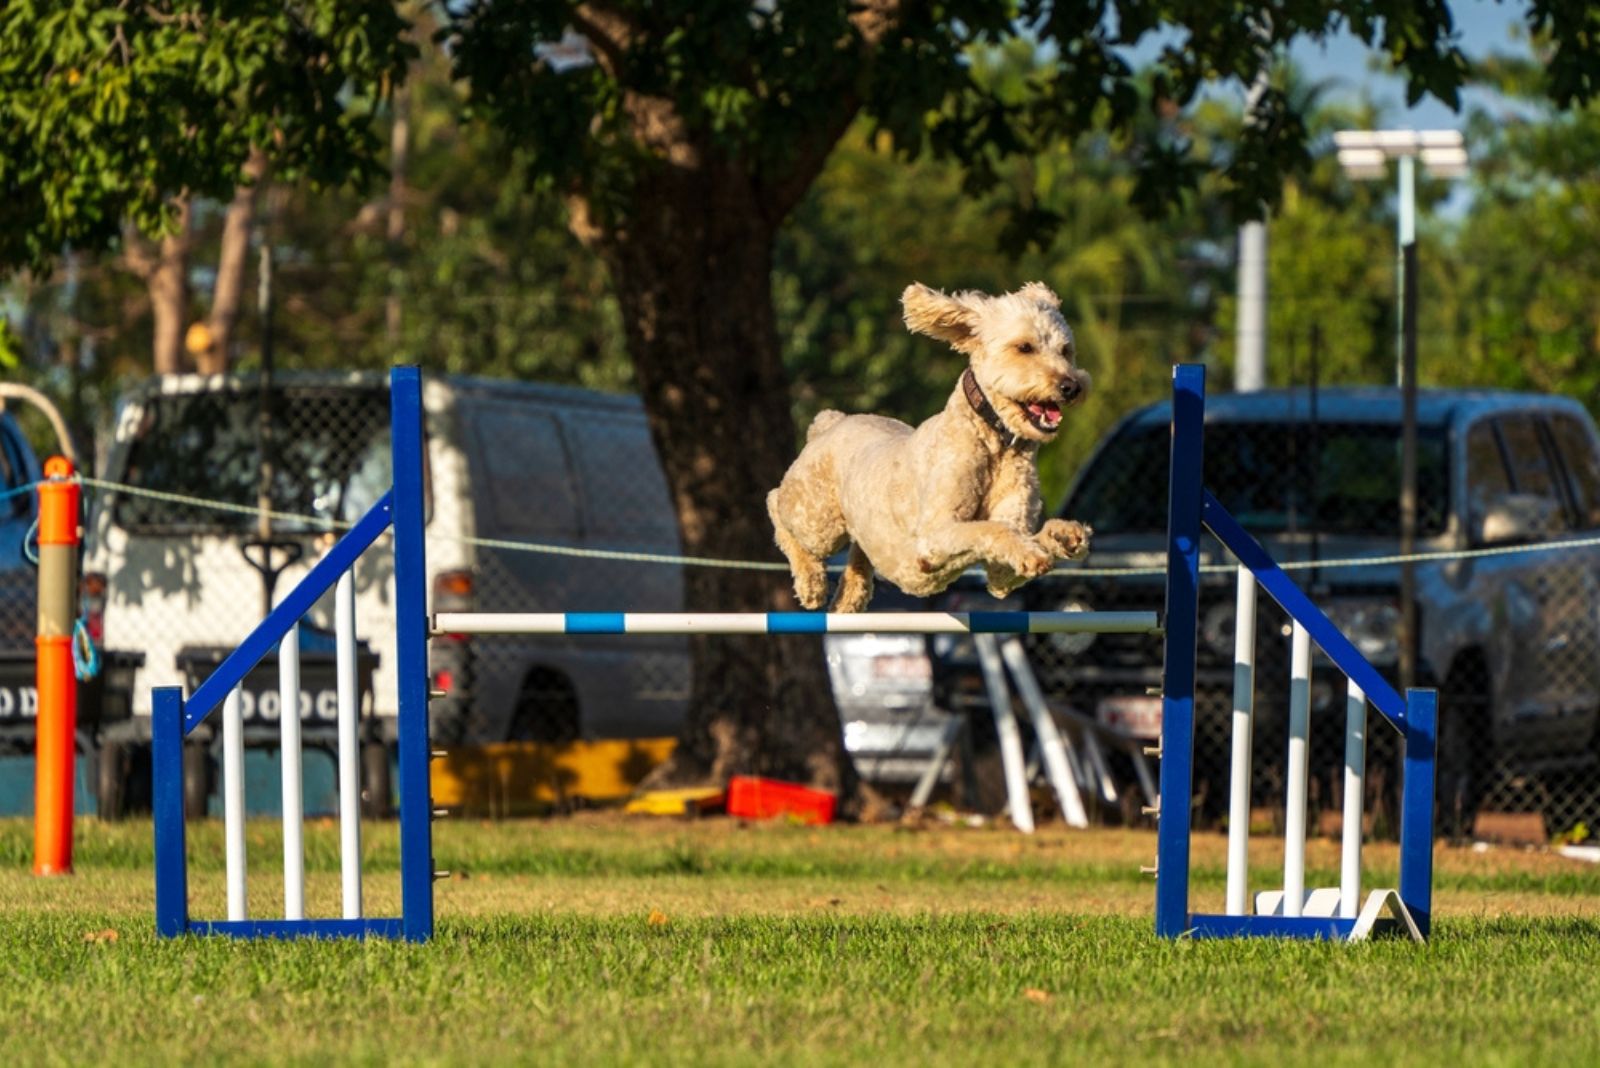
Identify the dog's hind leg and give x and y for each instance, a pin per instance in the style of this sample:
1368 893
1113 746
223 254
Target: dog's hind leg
855 585
810 576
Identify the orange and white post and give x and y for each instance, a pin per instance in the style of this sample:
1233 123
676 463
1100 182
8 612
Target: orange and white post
56 728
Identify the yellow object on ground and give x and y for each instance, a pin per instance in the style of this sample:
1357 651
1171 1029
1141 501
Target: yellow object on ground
521 778
692 802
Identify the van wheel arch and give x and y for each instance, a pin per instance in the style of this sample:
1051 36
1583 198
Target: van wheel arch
547 708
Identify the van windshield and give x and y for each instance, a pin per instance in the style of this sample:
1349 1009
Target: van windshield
1273 477
328 451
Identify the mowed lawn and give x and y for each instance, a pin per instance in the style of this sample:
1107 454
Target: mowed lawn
600 939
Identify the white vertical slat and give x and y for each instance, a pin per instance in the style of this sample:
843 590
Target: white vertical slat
294 864
1244 699
1294 824
349 746
1355 768
233 801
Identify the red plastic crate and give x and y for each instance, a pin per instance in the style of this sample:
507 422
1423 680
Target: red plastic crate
753 798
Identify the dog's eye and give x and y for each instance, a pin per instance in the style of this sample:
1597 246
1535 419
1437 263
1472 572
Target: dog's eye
1025 347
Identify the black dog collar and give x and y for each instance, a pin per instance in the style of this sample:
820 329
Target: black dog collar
985 410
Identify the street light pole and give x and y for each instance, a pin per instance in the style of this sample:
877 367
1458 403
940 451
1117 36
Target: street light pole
1364 154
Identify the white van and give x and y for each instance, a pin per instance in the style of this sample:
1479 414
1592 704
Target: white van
169 570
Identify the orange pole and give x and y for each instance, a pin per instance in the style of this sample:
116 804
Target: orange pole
55 751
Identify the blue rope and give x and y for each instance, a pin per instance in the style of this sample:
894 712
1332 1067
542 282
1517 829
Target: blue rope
85 657
30 544
6 495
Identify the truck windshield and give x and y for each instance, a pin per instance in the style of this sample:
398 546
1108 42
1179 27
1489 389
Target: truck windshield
1334 478
328 450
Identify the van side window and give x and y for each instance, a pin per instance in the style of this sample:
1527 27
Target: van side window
624 491
1486 474
1578 455
530 485
13 472
1531 472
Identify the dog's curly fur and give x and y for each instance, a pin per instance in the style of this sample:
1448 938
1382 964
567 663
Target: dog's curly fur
921 506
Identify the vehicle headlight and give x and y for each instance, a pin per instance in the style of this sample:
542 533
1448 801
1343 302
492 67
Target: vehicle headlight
1373 627
1072 644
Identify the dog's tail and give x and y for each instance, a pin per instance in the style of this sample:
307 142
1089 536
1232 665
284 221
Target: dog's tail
825 421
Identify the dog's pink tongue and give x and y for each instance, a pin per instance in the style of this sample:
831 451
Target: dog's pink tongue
1048 413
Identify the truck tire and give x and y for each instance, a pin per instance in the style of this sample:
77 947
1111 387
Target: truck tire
196 781
375 786
111 781
1465 745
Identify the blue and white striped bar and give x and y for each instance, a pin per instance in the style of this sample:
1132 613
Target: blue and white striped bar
796 623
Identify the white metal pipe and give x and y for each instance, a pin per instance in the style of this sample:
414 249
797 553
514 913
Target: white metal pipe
233 801
1355 767
1244 700
1060 764
794 623
294 865
1294 824
1250 331
1005 725
344 602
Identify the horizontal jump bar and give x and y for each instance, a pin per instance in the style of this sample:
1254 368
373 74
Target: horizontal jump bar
796 623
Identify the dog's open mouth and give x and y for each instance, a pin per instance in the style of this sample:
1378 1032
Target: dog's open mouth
1044 415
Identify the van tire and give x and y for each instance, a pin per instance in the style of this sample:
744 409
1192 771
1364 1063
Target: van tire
111 782
196 781
546 711
375 782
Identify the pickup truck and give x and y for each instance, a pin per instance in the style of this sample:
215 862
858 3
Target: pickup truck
1511 638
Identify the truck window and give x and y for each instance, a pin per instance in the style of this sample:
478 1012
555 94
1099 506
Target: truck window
1336 478
1582 463
1487 481
529 483
206 445
1531 471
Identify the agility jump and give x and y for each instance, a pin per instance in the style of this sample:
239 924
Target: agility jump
1289 912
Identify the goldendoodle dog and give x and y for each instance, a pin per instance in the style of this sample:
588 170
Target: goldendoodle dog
922 506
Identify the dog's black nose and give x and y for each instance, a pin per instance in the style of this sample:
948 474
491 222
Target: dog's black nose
1070 389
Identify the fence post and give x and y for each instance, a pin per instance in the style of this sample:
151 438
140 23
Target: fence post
411 654
55 730
1416 807
1183 601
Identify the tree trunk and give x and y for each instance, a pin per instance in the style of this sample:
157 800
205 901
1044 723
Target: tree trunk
232 259
164 269
693 275
395 211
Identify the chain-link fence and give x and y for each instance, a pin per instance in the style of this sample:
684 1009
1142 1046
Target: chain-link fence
1510 636
521 479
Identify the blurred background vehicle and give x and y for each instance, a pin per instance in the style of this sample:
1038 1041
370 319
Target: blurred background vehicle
1511 639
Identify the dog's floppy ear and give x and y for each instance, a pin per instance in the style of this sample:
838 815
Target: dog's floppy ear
953 318
1040 292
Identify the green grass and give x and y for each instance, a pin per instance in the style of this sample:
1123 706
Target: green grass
604 940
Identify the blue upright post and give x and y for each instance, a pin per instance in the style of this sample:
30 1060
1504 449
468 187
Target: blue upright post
166 778
1183 603
411 668
1416 807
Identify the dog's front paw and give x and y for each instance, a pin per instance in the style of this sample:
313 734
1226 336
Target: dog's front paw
1031 559
811 590
1068 539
